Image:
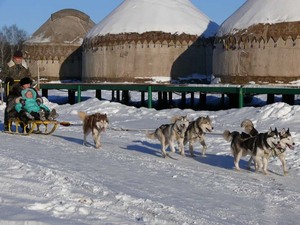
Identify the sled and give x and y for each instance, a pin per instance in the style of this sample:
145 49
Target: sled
45 127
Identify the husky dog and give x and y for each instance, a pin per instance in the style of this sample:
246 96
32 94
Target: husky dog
286 141
196 131
95 123
259 147
249 127
167 134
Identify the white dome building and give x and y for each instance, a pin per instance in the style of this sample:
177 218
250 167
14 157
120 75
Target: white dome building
260 42
144 39
54 50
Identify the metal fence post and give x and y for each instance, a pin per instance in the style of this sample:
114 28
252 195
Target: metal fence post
149 97
78 93
241 97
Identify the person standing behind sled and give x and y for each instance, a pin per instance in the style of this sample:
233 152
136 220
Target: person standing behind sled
30 107
10 111
16 69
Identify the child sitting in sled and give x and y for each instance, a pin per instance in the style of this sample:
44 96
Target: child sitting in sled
29 107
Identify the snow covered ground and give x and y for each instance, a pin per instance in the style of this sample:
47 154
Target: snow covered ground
56 180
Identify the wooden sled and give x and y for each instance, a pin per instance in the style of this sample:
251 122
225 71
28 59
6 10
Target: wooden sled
44 127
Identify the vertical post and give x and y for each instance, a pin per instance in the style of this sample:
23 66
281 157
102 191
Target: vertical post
149 97
159 99
71 95
288 98
170 98
165 98
192 99
241 97
2 99
78 93
183 99
98 94
118 95
142 98
45 93
202 100
223 101
113 95
270 98
38 69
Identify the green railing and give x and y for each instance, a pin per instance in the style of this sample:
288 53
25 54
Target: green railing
239 90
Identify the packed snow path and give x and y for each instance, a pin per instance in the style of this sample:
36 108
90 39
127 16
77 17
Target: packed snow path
56 180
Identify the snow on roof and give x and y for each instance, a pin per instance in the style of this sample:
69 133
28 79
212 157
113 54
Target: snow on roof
170 16
67 26
261 11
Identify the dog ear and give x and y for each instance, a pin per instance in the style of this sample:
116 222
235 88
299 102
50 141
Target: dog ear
174 118
282 131
270 130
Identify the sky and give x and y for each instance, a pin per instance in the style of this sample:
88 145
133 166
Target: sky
29 15
54 179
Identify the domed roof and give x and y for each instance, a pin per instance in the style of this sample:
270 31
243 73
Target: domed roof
255 12
169 16
67 26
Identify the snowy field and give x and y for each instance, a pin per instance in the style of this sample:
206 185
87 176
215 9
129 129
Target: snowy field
56 180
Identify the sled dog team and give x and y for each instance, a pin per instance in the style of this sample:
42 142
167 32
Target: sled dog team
260 146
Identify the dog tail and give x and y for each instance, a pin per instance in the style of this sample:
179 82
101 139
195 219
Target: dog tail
82 115
227 135
151 135
249 127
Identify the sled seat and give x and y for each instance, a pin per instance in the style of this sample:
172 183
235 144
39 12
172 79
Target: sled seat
45 127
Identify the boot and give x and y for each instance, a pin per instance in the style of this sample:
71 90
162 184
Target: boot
53 115
29 116
42 115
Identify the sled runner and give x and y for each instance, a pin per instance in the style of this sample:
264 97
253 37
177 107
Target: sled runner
45 127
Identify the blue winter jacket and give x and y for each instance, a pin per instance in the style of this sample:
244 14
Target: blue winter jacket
31 104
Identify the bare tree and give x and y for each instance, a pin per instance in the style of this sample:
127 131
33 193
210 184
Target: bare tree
3 42
11 39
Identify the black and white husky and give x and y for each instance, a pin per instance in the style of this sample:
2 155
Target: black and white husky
259 147
196 131
168 134
286 142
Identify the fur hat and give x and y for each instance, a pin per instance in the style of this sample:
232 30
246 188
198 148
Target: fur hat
18 54
25 80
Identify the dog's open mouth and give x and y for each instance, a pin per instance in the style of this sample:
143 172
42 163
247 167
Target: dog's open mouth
208 130
278 145
291 146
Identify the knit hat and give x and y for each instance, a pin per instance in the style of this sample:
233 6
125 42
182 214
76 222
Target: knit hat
25 80
18 54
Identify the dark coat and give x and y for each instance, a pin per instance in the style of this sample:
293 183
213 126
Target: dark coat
15 72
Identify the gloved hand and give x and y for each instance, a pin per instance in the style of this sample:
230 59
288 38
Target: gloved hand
9 80
23 113
22 101
39 101
29 115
